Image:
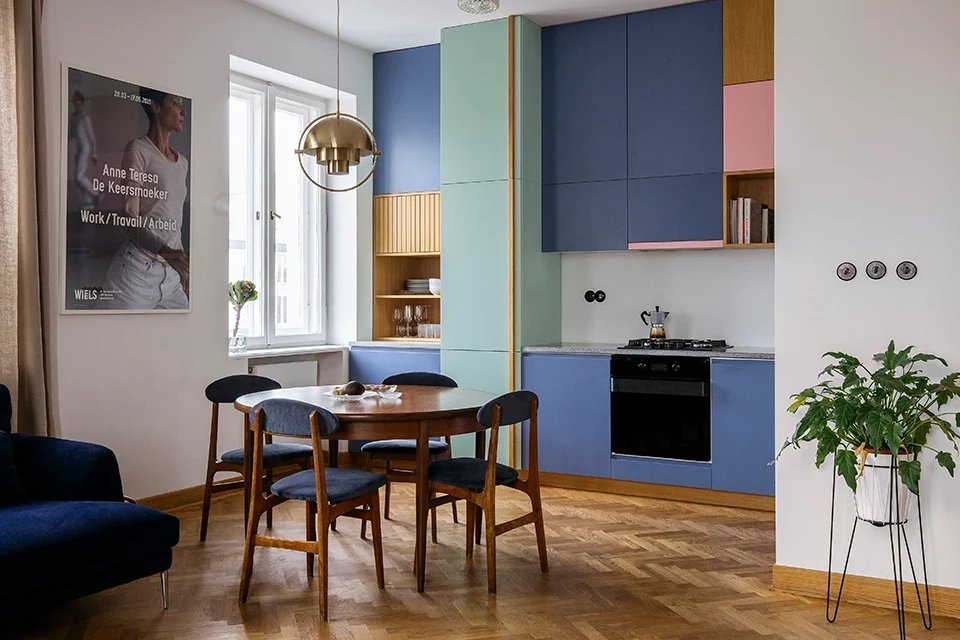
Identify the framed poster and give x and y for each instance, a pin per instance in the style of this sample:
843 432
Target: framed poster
126 187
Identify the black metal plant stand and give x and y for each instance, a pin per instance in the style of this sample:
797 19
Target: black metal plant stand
896 554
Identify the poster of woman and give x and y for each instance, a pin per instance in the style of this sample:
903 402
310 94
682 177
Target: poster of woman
127 231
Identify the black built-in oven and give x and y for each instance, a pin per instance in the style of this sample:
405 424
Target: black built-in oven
660 406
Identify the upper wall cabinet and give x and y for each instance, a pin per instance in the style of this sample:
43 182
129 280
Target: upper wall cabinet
584 72
675 90
474 103
675 212
585 216
406 120
747 41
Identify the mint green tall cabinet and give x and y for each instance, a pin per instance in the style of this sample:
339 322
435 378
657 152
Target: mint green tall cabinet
493 303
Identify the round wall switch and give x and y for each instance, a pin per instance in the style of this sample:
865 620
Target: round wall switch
906 270
846 271
600 295
589 295
876 270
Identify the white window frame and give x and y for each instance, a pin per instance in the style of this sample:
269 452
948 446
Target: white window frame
315 263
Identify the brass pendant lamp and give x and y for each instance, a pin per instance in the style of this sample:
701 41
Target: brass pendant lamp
337 141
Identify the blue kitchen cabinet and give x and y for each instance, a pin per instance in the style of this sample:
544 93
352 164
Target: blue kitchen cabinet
659 471
742 410
675 209
371 365
585 216
675 91
574 414
406 117
584 97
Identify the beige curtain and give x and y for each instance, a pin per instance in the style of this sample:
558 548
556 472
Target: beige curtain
23 223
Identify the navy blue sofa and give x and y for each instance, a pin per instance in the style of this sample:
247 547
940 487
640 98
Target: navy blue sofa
66 531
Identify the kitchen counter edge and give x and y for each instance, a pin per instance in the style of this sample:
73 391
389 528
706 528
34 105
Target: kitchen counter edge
394 344
597 348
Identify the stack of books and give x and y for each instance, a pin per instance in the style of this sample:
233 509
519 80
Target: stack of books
751 222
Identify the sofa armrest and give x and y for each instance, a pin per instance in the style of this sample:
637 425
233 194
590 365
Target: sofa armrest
55 469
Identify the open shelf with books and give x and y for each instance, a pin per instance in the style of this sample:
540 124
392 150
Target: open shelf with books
748 209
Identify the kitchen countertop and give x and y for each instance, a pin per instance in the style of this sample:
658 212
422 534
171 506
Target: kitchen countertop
396 344
601 348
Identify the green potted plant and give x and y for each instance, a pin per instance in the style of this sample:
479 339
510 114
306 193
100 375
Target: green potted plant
863 416
240 293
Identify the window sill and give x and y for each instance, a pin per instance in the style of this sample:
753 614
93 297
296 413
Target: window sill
279 352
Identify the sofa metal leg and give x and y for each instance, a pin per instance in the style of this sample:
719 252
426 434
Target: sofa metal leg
164 590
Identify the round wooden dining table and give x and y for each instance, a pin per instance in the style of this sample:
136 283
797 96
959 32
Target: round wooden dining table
419 413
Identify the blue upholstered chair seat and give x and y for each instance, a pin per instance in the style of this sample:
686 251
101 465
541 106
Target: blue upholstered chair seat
43 539
467 473
342 485
272 453
401 446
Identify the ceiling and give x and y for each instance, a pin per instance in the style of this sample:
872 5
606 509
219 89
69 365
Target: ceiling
384 25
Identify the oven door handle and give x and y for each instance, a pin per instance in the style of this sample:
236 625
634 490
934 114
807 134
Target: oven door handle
695 388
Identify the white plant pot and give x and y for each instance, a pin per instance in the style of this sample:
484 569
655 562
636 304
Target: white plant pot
874 502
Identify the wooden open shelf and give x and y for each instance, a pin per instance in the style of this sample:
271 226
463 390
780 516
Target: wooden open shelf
406 244
757 184
396 339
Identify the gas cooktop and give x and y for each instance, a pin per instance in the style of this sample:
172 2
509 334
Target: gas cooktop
677 344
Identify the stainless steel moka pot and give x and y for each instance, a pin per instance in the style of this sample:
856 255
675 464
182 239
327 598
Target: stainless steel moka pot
656 322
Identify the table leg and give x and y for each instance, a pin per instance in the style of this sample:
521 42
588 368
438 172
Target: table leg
334 454
423 499
333 462
247 467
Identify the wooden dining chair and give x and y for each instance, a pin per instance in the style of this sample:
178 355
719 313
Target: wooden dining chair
475 480
389 452
226 391
329 493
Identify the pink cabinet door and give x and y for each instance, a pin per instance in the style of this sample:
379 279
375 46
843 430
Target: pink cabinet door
748 126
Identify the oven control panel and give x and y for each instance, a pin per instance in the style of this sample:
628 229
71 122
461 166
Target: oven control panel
660 367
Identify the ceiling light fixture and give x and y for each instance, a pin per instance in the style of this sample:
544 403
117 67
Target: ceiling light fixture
338 141
478 6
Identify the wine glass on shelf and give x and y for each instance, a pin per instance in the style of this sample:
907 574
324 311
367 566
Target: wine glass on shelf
409 327
399 329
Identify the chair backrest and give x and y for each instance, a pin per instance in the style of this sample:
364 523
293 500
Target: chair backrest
279 416
421 378
515 407
511 408
228 389
6 409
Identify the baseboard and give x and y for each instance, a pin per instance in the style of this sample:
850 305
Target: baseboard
878 592
177 499
659 491
194 495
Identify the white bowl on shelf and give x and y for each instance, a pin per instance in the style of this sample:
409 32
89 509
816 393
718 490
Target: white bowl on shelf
435 286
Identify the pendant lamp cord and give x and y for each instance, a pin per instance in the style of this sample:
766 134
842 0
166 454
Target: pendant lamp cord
338 58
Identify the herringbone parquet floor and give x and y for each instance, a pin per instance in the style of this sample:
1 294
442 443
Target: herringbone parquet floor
620 568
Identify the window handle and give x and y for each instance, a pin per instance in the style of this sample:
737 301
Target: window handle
257 215
274 215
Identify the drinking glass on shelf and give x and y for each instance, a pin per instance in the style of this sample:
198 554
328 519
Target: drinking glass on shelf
399 329
409 328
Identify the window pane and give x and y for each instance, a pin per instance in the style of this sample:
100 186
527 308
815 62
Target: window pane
294 231
246 197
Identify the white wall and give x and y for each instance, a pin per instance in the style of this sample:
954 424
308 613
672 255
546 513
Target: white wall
717 294
135 382
867 168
